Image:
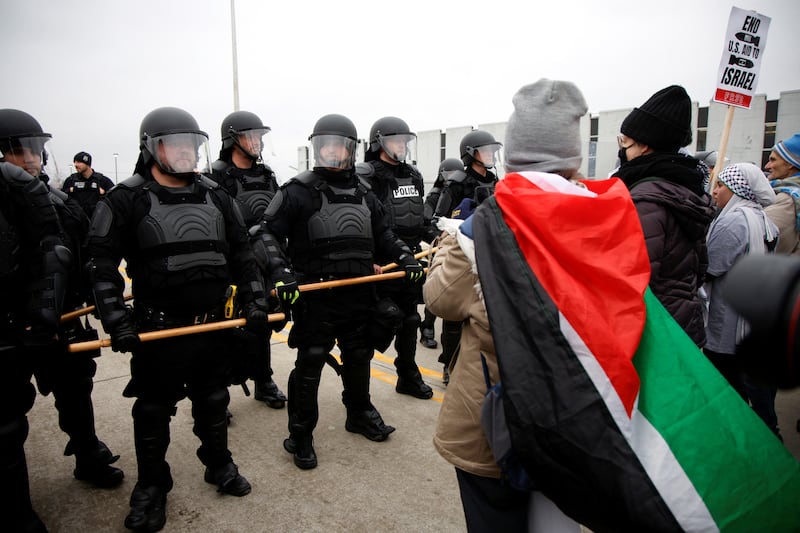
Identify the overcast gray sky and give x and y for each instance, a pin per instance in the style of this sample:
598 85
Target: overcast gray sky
90 70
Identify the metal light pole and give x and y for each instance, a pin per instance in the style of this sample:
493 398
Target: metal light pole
235 60
116 156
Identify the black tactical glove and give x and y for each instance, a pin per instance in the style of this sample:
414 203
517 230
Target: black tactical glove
414 271
286 289
124 336
256 317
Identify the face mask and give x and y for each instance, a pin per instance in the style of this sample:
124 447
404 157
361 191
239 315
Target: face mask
623 155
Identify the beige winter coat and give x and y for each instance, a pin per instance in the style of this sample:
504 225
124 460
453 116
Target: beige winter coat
452 292
782 215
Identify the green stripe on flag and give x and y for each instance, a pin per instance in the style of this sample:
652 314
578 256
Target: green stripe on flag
747 479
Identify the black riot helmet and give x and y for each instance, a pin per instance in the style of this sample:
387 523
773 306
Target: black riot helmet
20 133
478 142
245 130
393 135
171 138
334 142
449 167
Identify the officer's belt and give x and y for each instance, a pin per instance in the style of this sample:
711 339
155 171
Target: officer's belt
152 318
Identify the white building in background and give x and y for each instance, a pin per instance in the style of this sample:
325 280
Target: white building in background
753 134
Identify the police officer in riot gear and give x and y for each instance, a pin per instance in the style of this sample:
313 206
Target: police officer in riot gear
184 243
399 186
451 169
323 225
241 172
33 269
479 155
69 376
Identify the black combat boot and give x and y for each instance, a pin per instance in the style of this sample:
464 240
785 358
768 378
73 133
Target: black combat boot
426 338
148 509
303 449
409 380
303 416
268 392
227 479
15 492
369 423
93 464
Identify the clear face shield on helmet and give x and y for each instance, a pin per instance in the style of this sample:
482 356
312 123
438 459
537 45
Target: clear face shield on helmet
333 151
28 153
180 153
489 155
254 142
401 147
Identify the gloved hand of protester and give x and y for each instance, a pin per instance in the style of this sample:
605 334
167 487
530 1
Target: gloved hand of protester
286 289
414 271
256 316
124 336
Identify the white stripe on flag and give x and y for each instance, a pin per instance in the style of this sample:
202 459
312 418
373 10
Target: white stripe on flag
657 459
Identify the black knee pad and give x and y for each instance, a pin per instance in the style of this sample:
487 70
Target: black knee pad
149 410
311 360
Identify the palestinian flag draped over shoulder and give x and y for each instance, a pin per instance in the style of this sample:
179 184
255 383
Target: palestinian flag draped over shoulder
614 411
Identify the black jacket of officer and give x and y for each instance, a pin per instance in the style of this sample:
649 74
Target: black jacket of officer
87 191
33 269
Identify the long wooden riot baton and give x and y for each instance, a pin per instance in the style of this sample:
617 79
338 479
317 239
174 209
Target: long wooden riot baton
420 255
88 309
66 317
174 332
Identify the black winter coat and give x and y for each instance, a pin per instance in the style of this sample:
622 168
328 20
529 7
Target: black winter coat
675 214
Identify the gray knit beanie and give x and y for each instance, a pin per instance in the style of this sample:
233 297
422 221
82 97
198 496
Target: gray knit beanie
543 132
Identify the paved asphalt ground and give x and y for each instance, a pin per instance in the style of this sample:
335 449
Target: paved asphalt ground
359 486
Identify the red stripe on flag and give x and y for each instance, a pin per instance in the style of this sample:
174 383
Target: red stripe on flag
580 260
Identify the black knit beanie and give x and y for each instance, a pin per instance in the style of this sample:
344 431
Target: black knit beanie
83 157
663 122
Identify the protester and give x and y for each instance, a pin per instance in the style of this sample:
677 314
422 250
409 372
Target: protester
184 244
86 185
741 228
400 188
784 175
325 225
675 211
543 137
242 173
68 376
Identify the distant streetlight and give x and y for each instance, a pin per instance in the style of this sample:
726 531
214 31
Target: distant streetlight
116 156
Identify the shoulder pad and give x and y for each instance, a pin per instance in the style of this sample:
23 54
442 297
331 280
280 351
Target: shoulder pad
364 171
136 180
458 176
15 175
58 193
219 165
206 181
364 183
306 178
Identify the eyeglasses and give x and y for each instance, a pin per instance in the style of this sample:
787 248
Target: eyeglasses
621 141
